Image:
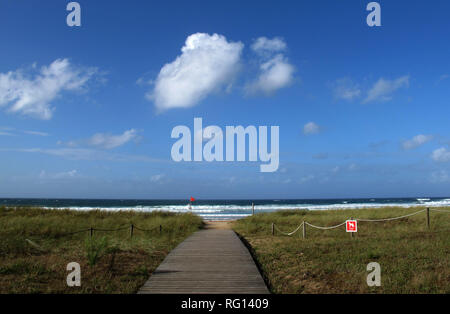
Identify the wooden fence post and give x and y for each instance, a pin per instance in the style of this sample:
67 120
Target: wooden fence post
273 228
131 230
91 231
352 233
304 230
160 229
428 217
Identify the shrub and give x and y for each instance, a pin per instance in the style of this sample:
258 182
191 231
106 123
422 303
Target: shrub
95 249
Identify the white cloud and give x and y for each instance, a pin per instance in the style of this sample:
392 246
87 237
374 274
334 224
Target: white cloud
306 179
206 64
85 154
104 140
417 141
383 89
36 133
7 131
275 71
346 89
335 169
60 175
441 155
264 45
108 141
32 96
311 128
274 74
157 177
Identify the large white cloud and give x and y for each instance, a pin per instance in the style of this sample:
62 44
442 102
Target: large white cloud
383 89
206 64
417 141
32 96
275 71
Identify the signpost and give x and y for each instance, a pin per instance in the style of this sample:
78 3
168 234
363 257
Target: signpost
351 226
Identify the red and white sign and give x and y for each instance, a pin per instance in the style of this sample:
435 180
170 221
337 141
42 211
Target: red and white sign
351 226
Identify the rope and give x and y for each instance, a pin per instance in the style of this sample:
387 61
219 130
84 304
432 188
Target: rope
324 228
110 230
440 210
72 233
145 230
393 218
359 219
288 233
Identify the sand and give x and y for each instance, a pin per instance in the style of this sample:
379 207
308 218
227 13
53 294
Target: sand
221 225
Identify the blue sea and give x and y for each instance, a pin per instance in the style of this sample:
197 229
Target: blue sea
225 209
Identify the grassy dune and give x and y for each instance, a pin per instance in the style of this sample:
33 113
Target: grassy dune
34 248
413 259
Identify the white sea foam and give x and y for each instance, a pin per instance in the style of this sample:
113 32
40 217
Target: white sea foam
230 211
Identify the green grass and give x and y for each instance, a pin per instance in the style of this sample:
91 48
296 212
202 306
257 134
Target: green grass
413 259
35 248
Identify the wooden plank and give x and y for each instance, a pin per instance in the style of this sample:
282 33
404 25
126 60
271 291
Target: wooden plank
209 261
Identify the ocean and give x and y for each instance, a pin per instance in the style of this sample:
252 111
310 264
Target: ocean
225 209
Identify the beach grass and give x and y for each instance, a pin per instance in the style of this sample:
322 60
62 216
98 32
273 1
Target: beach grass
413 258
35 248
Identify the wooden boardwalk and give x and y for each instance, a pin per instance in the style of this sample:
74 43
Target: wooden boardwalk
209 261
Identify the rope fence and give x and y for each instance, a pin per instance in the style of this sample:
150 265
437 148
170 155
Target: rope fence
131 227
440 210
389 219
305 223
325 228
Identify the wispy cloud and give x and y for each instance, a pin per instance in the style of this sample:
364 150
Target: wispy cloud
85 154
417 141
440 176
109 141
7 131
206 64
37 133
346 89
443 77
311 128
275 71
105 140
32 95
306 178
335 169
157 178
383 89
59 175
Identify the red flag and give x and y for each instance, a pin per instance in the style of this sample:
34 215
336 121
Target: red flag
192 199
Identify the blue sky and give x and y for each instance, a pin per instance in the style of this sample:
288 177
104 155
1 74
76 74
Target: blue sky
88 111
